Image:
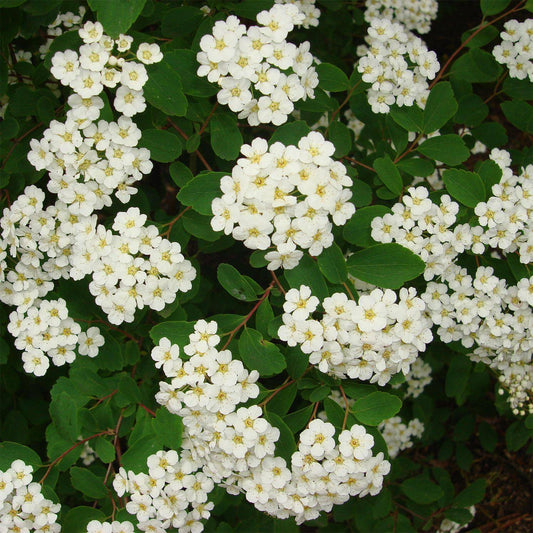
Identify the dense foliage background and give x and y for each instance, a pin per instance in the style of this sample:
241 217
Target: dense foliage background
465 462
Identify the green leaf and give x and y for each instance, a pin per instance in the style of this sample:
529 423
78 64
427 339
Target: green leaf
416 166
226 138
290 133
376 407
477 66
341 136
521 89
263 316
493 7
199 226
481 38
308 273
332 78
450 149
110 355
409 118
259 354
180 173
517 435
298 419
64 413
168 428
163 145
11 3
441 106
76 519
362 193
519 114
136 455
466 187
385 265
297 362
490 133
421 490
460 516
180 21
358 230
520 270
104 450
457 375
87 483
490 173
282 401
200 192
235 283
164 89
10 451
250 8
117 16
3 76
286 445
389 174
473 494
332 264
176 332
128 391
318 394
472 110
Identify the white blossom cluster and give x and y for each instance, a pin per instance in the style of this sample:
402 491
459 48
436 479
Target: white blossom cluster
63 22
516 49
87 161
260 74
478 309
172 495
398 64
132 268
235 446
284 196
372 339
22 505
309 10
418 377
415 15
95 526
398 435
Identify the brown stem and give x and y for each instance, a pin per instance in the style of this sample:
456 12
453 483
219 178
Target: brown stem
78 443
186 137
352 160
277 282
17 141
286 384
347 410
170 224
344 102
149 411
206 121
249 315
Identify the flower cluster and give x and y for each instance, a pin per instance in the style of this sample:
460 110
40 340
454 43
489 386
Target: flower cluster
260 74
45 332
172 495
235 446
417 378
309 10
399 436
284 196
95 66
477 308
24 508
372 339
516 49
132 268
397 64
63 22
95 526
415 15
